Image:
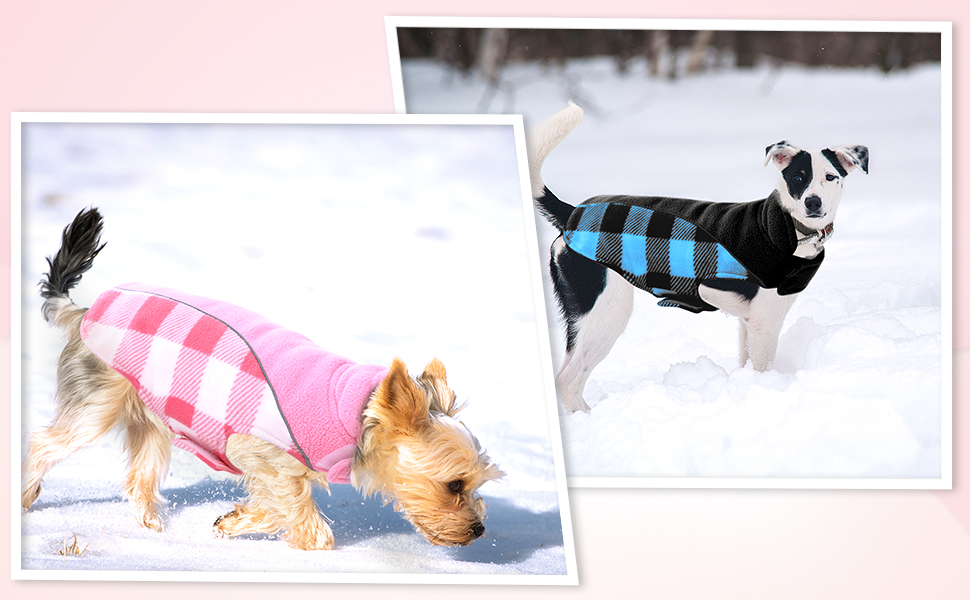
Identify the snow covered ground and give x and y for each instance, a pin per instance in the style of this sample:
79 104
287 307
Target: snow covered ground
859 395
368 239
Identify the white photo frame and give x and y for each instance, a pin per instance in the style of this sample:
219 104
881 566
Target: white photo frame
263 186
593 441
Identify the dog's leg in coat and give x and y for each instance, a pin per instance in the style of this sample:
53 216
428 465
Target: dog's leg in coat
280 496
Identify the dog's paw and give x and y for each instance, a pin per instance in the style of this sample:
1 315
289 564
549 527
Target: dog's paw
576 406
241 520
217 530
311 538
151 520
28 496
226 525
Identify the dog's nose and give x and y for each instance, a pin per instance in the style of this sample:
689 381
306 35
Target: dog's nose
478 529
813 204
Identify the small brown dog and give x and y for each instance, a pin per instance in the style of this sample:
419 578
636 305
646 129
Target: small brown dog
244 395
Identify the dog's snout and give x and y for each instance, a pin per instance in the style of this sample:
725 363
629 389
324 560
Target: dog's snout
478 529
813 204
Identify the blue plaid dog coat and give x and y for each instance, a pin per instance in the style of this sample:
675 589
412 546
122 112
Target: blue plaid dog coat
669 246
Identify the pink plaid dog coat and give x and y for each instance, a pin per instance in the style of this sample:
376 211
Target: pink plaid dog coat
211 369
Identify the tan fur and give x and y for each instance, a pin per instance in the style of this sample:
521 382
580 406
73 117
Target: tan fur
92 399
280 496
413 452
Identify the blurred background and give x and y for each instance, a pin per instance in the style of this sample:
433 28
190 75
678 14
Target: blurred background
666 54
670 53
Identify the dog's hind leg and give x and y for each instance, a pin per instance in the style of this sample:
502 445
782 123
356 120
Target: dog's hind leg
593 336
90 397
280 496
149 444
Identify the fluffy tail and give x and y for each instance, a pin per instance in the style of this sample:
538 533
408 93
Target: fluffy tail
541 140
80 243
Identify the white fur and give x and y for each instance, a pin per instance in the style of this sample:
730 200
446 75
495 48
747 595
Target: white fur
596 334
760 321
546 136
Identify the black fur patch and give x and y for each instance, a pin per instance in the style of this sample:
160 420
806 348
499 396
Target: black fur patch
862 155
834 159
80 243
553 209
578 282
798 174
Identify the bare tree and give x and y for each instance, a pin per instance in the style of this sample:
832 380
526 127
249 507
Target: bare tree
469 48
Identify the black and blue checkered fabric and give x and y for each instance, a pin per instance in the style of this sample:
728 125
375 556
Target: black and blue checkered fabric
660 245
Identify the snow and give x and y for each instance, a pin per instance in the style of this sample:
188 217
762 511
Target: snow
859 395
375 240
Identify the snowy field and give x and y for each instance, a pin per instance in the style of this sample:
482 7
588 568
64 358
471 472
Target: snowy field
859 394
366 238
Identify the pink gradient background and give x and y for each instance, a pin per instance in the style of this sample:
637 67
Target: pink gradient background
316 56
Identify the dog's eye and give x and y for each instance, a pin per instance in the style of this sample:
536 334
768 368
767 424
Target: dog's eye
456 486
830 177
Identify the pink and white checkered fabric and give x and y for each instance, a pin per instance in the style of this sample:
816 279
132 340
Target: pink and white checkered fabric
211 369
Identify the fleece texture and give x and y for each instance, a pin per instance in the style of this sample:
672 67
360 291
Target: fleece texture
669 246
209 369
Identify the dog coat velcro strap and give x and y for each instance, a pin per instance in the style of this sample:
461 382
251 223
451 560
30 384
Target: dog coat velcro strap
209 369
669 246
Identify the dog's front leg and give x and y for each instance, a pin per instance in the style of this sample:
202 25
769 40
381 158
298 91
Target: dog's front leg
763 326
736 305
280 496
742 341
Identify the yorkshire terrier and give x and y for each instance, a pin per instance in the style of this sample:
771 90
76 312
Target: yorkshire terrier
249 397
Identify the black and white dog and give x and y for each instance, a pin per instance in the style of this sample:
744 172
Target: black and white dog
748 259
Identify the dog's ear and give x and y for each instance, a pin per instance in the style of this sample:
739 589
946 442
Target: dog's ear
404 405
852 156
781 153
441 397
435 370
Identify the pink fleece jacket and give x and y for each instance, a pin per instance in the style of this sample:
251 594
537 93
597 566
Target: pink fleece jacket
211 369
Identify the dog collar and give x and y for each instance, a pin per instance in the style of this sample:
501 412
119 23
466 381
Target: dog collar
815 236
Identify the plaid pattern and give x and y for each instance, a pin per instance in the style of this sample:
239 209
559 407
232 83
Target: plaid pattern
191 369
661 253
210 369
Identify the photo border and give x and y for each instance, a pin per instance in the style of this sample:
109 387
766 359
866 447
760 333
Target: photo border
18 119
945 29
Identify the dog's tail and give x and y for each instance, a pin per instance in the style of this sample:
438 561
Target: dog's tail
80 243
542 139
